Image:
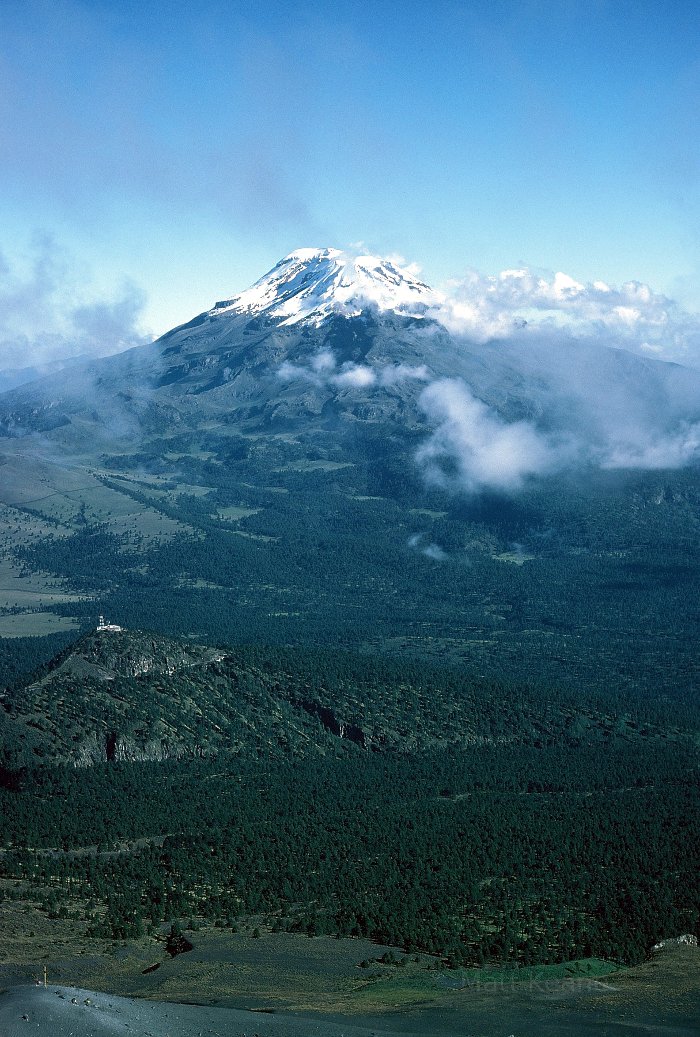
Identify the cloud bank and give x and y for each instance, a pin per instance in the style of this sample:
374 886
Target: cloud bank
544 375
632 316
472 448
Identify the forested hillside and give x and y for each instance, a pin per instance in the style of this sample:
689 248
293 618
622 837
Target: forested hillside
323 792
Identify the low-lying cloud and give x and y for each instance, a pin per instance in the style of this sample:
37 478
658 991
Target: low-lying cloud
323 369
430 550
49 315
675 449
517 410
473 448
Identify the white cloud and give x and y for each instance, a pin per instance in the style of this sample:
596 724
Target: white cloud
429 550
472 448
289 372
591 406
391 374
434 552
355 376
414 269
586 403
323 361
674 450
631 316
322 369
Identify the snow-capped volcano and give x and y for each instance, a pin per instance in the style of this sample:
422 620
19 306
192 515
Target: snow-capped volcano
309 285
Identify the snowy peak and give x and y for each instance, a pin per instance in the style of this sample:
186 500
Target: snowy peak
309 285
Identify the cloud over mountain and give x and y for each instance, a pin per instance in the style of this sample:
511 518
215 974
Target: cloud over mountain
507 379
519 301
323 369
473 448
541 373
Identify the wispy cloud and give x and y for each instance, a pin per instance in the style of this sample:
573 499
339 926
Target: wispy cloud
562 350
473 448
323 369
430 550
556 394
672 450
49 313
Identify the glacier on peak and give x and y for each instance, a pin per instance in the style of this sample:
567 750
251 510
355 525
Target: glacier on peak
309 285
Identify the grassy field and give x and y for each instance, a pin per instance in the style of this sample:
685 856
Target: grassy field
36 624
314 466
19 590
25 599
235 512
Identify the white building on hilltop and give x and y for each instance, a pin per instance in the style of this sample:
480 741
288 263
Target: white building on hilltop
104 625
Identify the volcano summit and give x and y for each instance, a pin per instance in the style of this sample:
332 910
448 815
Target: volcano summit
326 341
309 285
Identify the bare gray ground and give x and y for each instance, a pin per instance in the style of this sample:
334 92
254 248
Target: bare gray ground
569 1011
69 1012
305 987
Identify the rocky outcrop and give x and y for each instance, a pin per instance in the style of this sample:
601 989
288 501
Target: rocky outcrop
119 748
686 940
331 722
109 654
122 749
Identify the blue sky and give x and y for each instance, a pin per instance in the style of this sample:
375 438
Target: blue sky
158 156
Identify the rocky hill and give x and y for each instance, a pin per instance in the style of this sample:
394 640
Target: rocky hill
134 696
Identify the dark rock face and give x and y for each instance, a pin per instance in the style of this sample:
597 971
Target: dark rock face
332 724
125 749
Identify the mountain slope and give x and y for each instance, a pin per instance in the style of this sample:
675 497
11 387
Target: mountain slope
324 339
287 469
